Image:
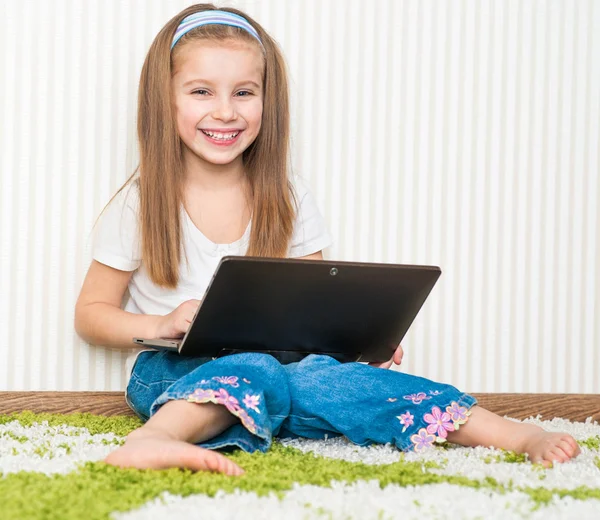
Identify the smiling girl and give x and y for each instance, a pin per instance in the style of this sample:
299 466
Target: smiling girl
213 128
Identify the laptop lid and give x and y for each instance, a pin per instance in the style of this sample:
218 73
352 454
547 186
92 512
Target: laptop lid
349 310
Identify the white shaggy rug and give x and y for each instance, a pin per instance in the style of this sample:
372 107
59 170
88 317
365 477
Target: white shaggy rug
506 490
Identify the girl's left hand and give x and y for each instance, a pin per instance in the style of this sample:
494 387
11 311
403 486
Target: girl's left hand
396 358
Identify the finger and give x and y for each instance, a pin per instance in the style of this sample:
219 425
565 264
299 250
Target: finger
398 355
387 364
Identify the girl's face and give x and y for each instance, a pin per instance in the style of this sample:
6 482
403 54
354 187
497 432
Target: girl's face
218 94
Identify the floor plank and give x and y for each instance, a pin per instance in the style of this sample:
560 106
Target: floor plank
575 407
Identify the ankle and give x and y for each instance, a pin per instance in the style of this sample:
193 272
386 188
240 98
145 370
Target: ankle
519 439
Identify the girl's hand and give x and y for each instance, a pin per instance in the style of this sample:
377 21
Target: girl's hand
396 358
176 323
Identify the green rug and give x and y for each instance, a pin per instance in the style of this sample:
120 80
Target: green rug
51 469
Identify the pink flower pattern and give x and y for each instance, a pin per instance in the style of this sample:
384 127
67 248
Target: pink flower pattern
252 402
230 402
417 398
227 380
422 440
458 414
406 420
439 422
221 396
200 393
247 421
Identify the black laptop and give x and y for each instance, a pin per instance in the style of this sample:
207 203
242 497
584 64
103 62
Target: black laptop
291 308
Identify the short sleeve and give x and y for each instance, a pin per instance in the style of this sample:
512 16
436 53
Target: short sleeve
310 233
116 239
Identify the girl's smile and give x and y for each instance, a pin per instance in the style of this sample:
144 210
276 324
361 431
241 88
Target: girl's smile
218 94
224 137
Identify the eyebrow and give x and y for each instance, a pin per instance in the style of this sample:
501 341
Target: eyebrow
206 82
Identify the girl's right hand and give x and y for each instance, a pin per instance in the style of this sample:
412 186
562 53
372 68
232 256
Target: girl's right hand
176 323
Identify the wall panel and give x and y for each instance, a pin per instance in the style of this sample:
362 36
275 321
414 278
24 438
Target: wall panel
463 134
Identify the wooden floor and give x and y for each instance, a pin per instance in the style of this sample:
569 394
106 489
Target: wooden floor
575 407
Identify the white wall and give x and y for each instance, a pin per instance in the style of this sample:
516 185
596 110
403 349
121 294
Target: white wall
458 133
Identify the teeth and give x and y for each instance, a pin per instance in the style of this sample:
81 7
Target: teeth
223 137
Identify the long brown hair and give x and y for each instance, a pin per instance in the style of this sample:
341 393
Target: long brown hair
160 171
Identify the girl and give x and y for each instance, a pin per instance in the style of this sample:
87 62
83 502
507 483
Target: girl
213 128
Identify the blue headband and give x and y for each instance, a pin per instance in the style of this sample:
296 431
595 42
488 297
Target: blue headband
213 17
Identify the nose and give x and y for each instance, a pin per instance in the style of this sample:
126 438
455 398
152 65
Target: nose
225 110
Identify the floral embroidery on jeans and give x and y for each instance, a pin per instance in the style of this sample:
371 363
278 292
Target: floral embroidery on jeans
221 396
247 421
227 380
417 398
440 422
422 440
406 419
252 402
246 381
200 393
230 402
434 392
458 414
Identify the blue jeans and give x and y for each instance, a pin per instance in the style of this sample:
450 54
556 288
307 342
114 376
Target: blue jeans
317 397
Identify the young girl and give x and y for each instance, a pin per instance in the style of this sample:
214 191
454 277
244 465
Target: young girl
213 128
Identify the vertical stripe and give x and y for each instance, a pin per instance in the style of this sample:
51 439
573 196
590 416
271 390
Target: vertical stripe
571 216
531 269
545 237
557 297
489 365
591 171
516 342
9 194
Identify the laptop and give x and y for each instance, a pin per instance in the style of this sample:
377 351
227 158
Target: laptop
290 308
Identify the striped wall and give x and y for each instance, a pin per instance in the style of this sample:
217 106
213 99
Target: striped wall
459 133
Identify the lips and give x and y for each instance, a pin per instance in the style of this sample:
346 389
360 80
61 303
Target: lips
221 137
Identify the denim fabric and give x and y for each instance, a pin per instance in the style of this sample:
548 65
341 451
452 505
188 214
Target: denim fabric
317 397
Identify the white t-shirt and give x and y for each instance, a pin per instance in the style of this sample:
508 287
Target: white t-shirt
117 244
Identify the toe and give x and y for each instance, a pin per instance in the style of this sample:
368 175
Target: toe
575 445
216 462
557 455
221 464
567 447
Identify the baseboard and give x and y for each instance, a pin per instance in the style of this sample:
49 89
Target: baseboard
575 407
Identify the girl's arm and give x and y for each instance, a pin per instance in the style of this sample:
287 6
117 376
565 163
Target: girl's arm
99 320
315 256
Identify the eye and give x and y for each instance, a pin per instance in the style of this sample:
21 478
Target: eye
200 91
244 93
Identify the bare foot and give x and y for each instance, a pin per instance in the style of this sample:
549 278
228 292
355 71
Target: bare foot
547 447
485 428
151 449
